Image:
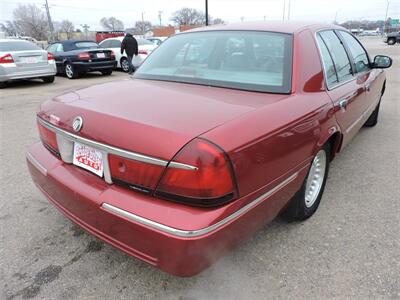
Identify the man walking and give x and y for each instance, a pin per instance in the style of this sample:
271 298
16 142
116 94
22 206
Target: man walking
130 45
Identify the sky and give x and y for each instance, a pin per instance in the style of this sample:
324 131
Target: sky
91 11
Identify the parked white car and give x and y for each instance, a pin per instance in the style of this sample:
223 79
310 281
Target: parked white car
114 44
20 59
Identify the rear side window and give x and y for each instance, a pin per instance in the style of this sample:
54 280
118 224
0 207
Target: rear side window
18 46
115 44
105 44
339 56
360 57
144 42
329 67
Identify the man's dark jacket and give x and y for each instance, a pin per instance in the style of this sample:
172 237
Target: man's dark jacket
130 45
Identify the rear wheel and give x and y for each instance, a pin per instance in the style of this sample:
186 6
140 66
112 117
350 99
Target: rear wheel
306 201
3 85
48 79
70 71
391 41
124 64
107 72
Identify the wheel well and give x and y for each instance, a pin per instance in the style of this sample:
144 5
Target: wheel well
335 142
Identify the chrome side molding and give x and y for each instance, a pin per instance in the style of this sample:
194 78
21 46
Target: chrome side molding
194 233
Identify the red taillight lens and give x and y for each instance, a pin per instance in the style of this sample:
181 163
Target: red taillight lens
112 55
211 183
84 55
50 56
49 139
6 59
143 52
135 174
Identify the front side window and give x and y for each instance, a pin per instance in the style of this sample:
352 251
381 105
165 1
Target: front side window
360 57
248 60
338 54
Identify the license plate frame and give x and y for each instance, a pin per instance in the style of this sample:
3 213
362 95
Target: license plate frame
101 55
88 158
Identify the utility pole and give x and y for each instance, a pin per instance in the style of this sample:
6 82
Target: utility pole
159 16
384 24
288 14
51 27
206 12
85 29
284 9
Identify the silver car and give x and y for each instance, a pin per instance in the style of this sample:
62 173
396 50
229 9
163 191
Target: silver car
21 59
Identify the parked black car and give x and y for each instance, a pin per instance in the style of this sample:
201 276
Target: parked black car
393 38
78 57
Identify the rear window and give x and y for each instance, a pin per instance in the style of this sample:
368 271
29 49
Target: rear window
83 45
18 46
248 60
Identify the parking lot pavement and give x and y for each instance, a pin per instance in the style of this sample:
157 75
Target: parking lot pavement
350 248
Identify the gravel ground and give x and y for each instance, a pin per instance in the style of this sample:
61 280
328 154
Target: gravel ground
349 249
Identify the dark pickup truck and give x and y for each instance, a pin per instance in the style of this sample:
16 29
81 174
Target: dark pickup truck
393 38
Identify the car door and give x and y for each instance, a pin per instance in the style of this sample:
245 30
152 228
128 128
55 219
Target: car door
346 88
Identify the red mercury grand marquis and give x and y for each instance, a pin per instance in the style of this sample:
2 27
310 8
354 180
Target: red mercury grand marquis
220 130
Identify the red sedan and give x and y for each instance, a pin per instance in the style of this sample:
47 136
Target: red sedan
219 131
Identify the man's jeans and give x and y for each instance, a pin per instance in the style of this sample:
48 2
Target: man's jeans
131 67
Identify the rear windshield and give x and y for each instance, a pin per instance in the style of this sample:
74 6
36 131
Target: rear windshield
85 45
248 60
18 46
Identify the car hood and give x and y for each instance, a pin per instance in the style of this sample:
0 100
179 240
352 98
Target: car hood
150 117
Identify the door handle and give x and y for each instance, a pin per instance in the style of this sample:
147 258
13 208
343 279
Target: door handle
343 103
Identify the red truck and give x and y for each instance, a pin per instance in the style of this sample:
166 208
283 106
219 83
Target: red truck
102 35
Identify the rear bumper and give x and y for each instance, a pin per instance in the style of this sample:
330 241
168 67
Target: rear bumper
108 212
12 72
94 66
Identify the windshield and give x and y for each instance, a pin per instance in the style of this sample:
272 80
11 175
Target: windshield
17 46
248 60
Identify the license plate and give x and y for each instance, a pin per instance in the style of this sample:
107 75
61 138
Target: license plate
88 158
30 60
101 55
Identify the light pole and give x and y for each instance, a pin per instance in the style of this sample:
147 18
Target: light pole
206 12
384 22
288 13
284 8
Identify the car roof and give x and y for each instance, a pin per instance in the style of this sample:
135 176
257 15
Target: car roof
290 27
70 42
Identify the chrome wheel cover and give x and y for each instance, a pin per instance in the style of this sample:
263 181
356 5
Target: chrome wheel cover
125 65
69 71
315 178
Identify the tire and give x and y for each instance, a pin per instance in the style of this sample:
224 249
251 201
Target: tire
107 72
70 71
373 118
48 79
391 41
3 85
124 64
306 201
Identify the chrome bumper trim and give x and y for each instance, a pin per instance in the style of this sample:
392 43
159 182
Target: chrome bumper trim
194 233
37 164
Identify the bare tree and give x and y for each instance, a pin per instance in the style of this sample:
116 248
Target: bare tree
216 21
67 27
143 26
188 16
9 27
31 21
112 23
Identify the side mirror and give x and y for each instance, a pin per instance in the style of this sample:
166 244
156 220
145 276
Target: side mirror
382 62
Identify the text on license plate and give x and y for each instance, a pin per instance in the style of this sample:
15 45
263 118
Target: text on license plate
88 158
30 60
101 55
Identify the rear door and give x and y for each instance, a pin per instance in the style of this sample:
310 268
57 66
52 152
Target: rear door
346 88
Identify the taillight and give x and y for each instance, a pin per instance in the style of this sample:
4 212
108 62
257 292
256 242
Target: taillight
49 139
143 52
206 180
6 59
112 55
50 56
134 174
84 55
